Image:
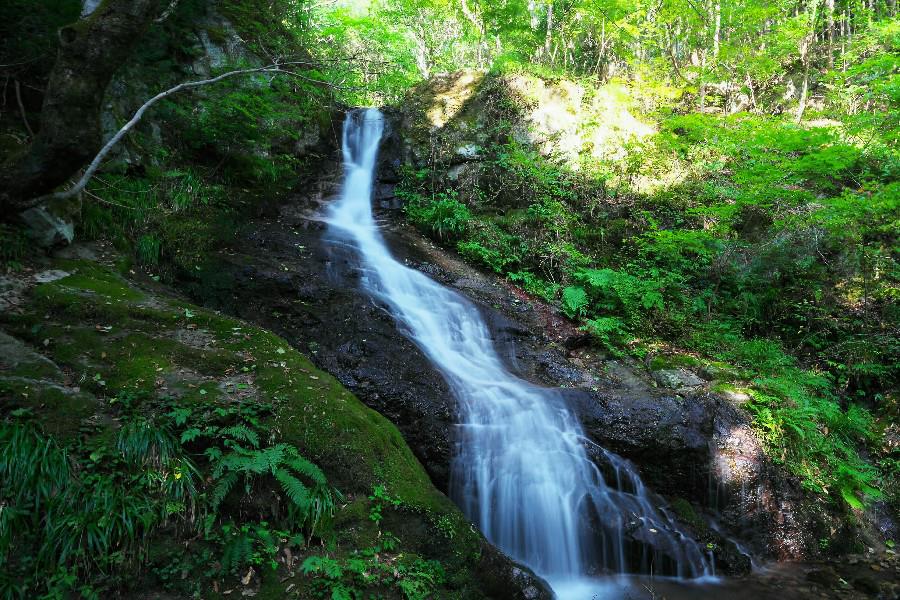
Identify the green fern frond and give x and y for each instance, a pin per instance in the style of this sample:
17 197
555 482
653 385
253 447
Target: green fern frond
189 435
237 551
273 456
294 489
220 491
305 467
242 433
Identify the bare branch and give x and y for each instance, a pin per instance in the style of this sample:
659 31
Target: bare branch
80 185
18 89
168 12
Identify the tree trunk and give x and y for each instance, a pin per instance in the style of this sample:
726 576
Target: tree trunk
752 92
829 7
90 52
475 19
717 33
806 51
703 80
549 36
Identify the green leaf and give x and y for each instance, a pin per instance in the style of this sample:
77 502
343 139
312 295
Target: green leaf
189 435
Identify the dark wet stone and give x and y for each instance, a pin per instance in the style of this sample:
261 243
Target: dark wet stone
502 578
826 577
866 585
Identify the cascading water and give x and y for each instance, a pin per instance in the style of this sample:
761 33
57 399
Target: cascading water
521 471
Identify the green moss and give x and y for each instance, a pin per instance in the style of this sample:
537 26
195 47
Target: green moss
61 409
686 513
670 361
95 278
730 389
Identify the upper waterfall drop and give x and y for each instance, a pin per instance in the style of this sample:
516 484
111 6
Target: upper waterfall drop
521 471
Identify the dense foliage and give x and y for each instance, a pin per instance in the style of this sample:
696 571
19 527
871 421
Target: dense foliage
718 231
80 511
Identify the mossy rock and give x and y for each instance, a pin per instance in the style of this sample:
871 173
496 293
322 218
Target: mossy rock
93 336
672 361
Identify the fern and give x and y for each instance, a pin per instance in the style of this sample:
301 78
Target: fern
575 302
293 488
323 565
609 331
242 433
237 552
223 486
305 467
308 504
190 435
273 456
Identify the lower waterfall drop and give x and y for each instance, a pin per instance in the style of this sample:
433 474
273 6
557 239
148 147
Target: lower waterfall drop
521 471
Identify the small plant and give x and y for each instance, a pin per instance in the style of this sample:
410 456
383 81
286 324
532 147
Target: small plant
13 245
148 250
609 331
230 439
380 499
251 544
74 516
79 517
445 525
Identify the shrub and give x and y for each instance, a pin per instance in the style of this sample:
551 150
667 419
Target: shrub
442 215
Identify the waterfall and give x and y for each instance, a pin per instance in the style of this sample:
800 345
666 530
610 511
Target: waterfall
521 470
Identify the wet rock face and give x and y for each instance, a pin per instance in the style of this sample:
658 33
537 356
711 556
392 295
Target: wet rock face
500 577
286 279
667 436
701 448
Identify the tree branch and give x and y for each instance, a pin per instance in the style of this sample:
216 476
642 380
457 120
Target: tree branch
18 89
167 12
105 150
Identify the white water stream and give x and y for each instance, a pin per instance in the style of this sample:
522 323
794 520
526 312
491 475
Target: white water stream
521 472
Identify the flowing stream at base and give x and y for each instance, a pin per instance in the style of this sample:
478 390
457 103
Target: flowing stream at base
521 470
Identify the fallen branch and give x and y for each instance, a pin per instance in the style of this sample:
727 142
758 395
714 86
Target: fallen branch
276 68
18 89
167 13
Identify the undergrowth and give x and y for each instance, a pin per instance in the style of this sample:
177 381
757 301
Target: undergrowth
370 571
765 247
78 518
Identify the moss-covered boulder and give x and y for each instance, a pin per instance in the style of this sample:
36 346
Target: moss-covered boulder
89 350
